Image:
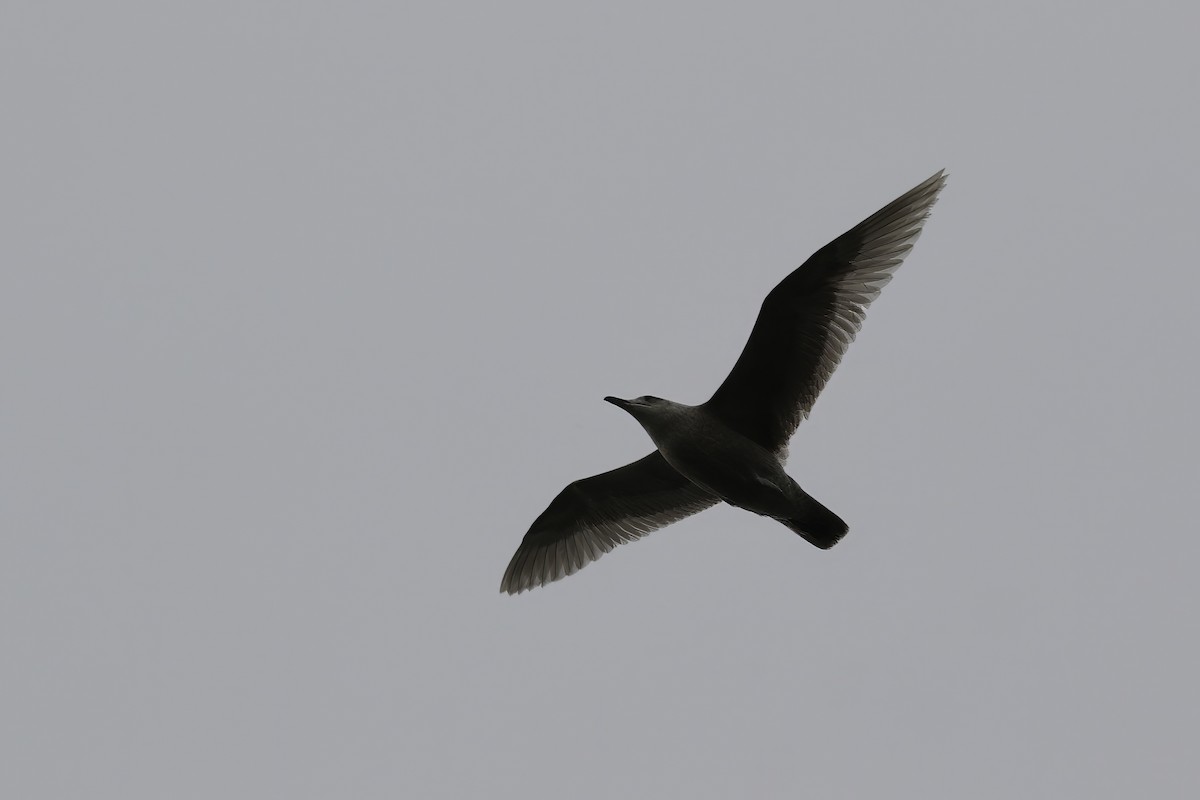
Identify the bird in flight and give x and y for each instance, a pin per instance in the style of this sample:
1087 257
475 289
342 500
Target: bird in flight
732 447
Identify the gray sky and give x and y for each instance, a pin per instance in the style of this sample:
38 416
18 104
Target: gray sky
307 311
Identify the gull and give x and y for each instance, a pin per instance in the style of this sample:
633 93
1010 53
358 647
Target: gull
732 448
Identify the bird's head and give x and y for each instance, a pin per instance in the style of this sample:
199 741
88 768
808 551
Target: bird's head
649 410
638 406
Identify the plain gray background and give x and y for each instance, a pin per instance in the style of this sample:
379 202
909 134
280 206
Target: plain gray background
307 310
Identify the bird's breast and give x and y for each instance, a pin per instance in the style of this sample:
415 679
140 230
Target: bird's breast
725 463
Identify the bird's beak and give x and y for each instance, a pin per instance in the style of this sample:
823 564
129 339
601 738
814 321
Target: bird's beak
618 402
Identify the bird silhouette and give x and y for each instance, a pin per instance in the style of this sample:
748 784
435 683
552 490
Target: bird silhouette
732 447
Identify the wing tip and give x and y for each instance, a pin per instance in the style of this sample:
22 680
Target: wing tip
534 566
516 582
932 186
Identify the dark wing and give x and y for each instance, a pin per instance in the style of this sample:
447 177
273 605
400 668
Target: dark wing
593 515
809 319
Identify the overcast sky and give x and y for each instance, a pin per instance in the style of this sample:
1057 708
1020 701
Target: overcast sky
307 311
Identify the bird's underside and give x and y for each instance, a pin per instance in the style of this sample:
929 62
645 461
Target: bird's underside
803 329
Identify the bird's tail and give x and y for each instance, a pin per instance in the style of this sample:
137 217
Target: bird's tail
816 523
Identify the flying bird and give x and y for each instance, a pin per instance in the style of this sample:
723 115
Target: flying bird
732 447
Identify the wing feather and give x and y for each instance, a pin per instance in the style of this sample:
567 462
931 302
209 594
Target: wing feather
808 321
593 515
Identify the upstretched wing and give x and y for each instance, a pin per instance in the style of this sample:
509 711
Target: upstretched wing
809 319
593 515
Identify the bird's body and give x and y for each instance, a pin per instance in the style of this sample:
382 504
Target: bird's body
731 448
726 464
